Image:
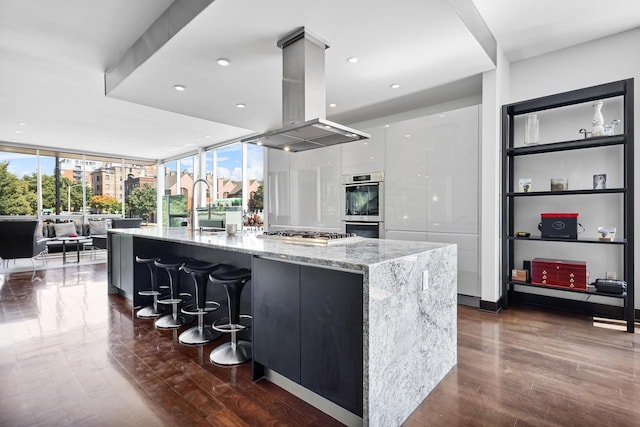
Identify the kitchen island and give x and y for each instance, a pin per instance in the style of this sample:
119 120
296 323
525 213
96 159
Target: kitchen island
374 321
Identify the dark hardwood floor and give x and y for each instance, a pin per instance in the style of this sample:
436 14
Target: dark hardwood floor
72 355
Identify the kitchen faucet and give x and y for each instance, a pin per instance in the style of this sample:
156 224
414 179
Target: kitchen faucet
194 214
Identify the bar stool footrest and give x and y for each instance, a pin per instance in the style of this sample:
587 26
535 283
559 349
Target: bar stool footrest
169 301
223 325
194 310
148 293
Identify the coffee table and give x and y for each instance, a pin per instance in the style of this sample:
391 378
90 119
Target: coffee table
78 241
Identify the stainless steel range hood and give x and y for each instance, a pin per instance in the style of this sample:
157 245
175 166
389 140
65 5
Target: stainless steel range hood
304 99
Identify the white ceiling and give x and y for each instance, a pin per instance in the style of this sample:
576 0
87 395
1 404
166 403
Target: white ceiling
53 55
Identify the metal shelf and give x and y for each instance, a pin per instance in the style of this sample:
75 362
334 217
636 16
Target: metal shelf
566 192
577 144
581 240
590 291
622 88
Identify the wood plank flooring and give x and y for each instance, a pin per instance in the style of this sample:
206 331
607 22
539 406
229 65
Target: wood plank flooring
72 355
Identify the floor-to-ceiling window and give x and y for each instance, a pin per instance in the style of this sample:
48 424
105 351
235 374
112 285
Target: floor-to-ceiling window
63 186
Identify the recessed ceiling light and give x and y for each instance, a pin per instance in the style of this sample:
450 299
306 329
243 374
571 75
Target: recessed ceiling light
223 62
352 60
386 126
441 115
408 135
19 131
240 105
207 136
197 139
22 124
179 88
259 142
332 105
394 85
286 148
365 143
189 145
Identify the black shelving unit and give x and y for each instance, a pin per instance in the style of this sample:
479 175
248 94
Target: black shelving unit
623 88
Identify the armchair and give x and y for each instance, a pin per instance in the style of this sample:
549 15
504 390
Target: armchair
19 239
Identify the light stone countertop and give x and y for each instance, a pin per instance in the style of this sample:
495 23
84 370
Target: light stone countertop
354 255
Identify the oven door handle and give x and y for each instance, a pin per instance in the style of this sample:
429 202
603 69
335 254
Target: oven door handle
362 222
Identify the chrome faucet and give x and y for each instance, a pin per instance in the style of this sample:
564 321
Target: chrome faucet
194 213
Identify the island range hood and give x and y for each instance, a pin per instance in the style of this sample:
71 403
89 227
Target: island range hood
304 111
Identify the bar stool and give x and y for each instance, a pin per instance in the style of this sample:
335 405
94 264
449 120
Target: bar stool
150 311
175 297
233 352
202 333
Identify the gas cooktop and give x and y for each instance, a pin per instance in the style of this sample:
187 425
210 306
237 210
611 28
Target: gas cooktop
309 237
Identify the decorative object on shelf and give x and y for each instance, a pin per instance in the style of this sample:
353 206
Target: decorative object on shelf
611 286
532 129
523 234
586 133
559 184
610 130
559 225
600 181
598 120
606 233
519 275
561 273
524 185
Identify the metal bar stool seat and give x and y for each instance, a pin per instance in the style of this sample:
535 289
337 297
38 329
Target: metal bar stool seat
202 333
151 311
235 351
175 297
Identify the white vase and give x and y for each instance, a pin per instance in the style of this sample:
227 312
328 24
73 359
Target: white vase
598 120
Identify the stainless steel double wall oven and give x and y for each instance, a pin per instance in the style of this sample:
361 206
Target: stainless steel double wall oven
362 204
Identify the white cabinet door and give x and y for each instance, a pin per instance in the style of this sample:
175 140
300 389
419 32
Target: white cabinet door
277 196
315 188
453 168
414 236
405 175
364 156
468 260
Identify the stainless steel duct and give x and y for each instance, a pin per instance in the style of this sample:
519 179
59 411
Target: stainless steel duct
304 124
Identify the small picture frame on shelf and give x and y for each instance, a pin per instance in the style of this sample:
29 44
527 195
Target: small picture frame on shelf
524 184
559 184
606 233
600 181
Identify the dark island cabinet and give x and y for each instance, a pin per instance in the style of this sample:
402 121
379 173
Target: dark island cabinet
308 326
276 316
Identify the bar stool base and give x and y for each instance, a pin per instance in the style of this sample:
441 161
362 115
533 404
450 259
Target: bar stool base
197 336
225 355
168 322
149 313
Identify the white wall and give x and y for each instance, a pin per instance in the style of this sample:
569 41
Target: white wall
600 61
494 93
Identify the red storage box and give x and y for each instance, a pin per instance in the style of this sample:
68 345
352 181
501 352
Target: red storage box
559 225
560 273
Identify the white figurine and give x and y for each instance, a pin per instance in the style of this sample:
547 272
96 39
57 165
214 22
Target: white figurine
598 120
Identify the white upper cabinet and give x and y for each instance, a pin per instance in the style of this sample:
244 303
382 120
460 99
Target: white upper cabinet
405 175
315 188
364 156
277 189
453 170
